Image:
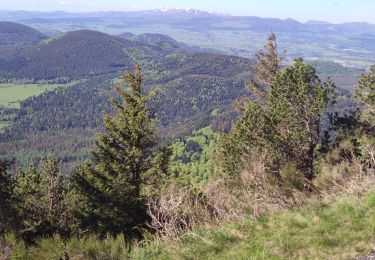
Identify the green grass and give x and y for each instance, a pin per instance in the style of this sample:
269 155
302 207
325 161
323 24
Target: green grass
341 230
12 94
3 125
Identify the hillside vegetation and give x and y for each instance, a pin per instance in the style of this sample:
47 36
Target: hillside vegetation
290 175
343 229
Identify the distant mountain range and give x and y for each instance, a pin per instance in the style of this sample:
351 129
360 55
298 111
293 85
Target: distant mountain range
351 44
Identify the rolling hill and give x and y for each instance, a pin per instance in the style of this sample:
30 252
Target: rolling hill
69 55
161 40
15 34
192 86
152 38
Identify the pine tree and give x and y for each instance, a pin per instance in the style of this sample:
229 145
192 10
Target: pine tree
287 128
249 129
126 167
29 204
297 100
53 194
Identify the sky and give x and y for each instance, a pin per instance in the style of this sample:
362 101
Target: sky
335 11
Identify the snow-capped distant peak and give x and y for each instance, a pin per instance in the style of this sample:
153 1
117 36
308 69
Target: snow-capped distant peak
183 11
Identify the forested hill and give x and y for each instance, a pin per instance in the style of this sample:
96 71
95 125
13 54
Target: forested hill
74 55
196 89
15 33
163 40
152 38
14 37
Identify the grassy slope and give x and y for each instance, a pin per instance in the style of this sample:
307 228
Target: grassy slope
339 231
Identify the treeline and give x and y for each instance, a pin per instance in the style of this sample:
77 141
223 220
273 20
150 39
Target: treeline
273 157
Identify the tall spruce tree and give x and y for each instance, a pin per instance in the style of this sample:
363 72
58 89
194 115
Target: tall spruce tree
126 166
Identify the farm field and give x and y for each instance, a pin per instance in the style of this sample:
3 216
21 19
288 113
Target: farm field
11 94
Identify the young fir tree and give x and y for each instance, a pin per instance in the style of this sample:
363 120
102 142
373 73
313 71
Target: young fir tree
126 167
365 96
265 68
249 128
6 198
40 201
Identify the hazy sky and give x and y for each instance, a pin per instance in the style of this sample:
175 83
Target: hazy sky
302 10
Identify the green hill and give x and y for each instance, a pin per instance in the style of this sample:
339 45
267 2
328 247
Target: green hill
153 38
69 55
192 85
15 36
